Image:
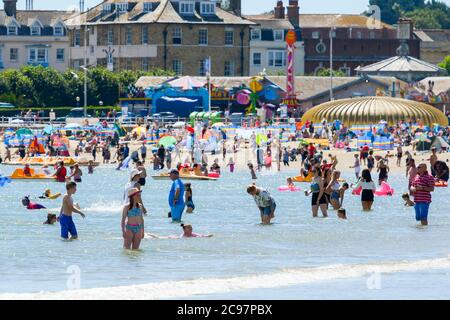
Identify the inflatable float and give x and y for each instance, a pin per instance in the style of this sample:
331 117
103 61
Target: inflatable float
308 178
18 174
166 176
214 175
384 190
441 184
289 189
4 180
48 195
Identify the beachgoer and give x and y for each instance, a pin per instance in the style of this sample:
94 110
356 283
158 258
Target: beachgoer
264 201
368 190
421 188
76 174
252 171
133 220
67 209
342 213
356 166
383 170
188 198
176 196
61 173
319 199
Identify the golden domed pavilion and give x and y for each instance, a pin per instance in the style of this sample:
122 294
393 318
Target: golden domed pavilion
372 110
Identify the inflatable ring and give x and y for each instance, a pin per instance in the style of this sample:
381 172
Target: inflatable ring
441 184
288 188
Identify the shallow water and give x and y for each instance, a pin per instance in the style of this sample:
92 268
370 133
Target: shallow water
33 259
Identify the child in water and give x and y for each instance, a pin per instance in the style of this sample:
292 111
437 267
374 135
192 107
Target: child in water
290 183
51 219
252 171
342 214
91 167
67 209
407 199
187 233
188 198
231 165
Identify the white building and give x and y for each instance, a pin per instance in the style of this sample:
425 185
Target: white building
268 41
33 38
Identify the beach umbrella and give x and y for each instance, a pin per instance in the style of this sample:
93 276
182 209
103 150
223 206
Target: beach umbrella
139 131
17 121
48 130
190 129
24 131
167 141
260 138
218 125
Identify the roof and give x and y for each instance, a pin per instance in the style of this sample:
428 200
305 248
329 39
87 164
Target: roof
272 23
371 110
305 87
432 35
164 11
330 20
46 17
401 64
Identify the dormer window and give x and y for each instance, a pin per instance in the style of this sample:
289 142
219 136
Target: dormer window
278 35
186 7
256 34
207 8
35 30
58 30
122 7
107 7
148 7
12 30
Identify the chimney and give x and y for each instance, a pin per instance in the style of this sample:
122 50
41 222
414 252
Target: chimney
10 7
235 7
405 29
280 10
293 13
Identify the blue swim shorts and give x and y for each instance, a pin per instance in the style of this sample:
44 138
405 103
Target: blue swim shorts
422 210
67 226
177 212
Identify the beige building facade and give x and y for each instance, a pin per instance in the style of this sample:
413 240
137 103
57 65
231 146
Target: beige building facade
171 35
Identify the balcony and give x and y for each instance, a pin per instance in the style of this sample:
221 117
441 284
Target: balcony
35 64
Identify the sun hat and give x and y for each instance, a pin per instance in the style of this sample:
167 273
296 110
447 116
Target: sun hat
133 191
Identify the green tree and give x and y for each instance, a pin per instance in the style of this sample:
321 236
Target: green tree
445 64
326 73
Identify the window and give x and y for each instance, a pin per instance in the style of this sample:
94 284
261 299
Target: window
207 8
372 34
128 64
145 64
256 34
359 35
186 7
77 38
203 67
203 37
144 38
60 55
110 36
129 35
229 69
122 7
316 35
12 30
229 37
277 58
177 66
58 30
13 54
107 7
278 35
37 55
35 30
148 7
257 58
177 35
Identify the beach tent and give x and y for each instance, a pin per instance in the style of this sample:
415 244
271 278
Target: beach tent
23 131
439 143
186 83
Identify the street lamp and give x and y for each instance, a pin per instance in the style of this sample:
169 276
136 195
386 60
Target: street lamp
78 101
332 31
100 103
85 89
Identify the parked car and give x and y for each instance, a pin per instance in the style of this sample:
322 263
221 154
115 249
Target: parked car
74 113
6 105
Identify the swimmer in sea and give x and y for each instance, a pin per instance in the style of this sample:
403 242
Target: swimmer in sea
252 171
342 214
188 198
51 219
290 183
30 205
187 233
407 199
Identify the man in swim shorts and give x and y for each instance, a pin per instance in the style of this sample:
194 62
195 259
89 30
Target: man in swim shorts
421 188
176 196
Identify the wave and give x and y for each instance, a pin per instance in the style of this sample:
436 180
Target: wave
103 207
187 288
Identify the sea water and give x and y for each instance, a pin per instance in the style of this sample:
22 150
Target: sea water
295 257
